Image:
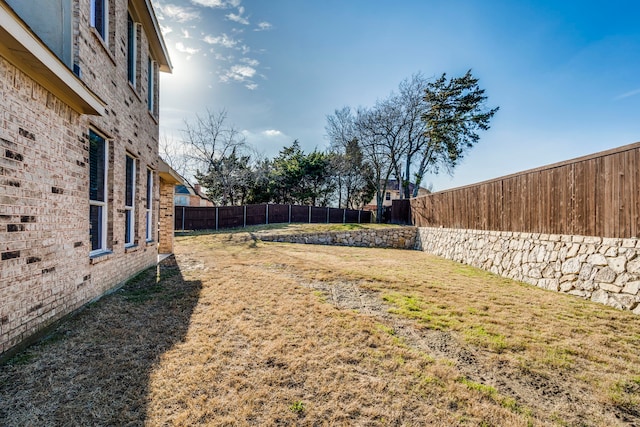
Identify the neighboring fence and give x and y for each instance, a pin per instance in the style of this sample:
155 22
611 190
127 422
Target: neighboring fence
400 212
595 195
214 218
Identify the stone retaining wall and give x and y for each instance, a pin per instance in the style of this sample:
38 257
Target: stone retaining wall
604 270
396 237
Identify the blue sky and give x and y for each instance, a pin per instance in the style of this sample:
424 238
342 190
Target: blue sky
566 74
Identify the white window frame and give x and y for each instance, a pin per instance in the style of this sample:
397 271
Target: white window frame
132 50
103 205
151 85
104 31
130 210
149 206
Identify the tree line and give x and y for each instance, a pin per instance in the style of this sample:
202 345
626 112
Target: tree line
424 127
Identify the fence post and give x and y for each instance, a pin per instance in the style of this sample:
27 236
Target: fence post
183 218
327 214
359 212
267 215
289 214
216 217
344 216
309 214
244 216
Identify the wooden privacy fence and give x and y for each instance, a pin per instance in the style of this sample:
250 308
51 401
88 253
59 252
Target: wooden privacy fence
215 218
595 195
400 211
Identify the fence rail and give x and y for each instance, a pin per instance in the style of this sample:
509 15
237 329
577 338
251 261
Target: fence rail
595 195
220 217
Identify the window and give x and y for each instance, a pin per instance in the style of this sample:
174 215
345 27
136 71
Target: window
149 205
131 50
129 201
151 85
388 195
97 192
100 17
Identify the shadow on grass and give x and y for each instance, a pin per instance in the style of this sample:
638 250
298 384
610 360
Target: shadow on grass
94 368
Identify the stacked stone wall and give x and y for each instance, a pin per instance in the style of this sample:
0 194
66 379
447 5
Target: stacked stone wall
604 270
393 237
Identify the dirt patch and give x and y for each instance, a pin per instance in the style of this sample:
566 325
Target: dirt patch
530 390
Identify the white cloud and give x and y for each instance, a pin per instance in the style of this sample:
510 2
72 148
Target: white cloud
628 94
180 47
238 17
250 62
239 73
217 3
165 30
271 133
178 13
185 33
251 86
223 40
263 26
220 57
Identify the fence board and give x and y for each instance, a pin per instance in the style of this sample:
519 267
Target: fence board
400 211
299 213
230 216
318 215
592 195
278 214
256 214
204 218
336 216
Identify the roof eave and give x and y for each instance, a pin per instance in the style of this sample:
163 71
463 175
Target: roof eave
168 174
26 51
157 46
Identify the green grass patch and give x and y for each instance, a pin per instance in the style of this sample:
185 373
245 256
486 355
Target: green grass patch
478 335
484 389
625 395
297 407
433 316
560 358
321 296
386 329
491 393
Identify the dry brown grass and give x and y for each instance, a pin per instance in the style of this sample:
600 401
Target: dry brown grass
239 332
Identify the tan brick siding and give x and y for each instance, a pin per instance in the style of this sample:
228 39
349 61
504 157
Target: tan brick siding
165 239
45 267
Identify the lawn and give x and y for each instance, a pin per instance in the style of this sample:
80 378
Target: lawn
234 331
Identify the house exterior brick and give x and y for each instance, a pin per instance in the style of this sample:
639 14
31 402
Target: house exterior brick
52 98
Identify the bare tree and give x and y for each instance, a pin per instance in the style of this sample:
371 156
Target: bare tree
340 131
209 139
211 152
376 149
354 175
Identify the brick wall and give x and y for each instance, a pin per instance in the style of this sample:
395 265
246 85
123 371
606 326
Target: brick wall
45 267
165 239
